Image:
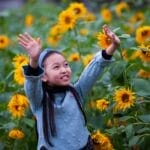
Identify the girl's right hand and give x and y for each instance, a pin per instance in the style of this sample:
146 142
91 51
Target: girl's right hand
32 46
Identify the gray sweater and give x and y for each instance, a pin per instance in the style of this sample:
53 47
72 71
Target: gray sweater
72 134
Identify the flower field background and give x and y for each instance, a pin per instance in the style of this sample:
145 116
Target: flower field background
118 107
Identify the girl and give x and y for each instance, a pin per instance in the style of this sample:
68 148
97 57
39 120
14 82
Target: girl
55 102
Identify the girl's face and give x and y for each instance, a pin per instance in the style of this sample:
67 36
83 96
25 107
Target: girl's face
57 70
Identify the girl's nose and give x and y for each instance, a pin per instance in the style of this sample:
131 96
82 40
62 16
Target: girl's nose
63 70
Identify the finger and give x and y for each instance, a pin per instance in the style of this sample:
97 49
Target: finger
105 26
22 42
39 41
23 45
28 36
23 38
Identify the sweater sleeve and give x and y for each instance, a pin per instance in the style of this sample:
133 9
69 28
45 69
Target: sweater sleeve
91 73
33 86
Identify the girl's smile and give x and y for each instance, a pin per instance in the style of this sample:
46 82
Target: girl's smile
65 77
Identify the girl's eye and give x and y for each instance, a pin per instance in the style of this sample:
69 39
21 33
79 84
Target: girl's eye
66 64
56 67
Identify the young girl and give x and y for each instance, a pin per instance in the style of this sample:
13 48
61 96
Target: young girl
55 102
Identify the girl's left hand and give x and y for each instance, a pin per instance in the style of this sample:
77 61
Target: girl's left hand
113 37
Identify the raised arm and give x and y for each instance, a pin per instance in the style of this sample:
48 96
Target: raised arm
33 84
96 66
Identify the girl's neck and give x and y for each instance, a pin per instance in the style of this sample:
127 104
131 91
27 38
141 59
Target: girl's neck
57 89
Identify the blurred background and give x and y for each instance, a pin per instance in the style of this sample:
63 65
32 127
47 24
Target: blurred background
117 107
12 4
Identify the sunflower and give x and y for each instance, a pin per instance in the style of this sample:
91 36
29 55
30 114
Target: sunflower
103 40
67 19
121 7
19 76
130 56
144 53
78 9
83 31
53 40
125 55
102 104
115 122
87 59
106 14
4 41
145 56
20 60
135 55
57 29
74 57
17 105
137 17
92 104
89 16
101 141
29 19
144 74
143 35
16 134
129 28
124 99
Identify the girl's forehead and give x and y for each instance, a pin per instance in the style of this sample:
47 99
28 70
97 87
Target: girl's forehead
54 58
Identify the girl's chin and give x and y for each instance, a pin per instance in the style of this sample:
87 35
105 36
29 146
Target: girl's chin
65 84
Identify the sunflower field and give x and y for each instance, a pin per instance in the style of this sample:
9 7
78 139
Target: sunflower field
118 107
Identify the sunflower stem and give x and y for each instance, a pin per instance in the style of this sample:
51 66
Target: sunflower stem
78 45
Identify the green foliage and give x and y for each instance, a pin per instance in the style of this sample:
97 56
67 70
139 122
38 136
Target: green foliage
134 123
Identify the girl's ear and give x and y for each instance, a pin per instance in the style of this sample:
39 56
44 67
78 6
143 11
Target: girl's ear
44 78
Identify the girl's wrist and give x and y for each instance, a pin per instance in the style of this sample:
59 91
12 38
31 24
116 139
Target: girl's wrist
33 63
111 49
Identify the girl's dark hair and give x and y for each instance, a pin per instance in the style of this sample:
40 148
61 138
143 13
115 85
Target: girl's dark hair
49 128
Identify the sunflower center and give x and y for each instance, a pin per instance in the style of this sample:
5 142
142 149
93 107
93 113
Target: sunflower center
67 20
1 41
138 18
125 98
77 10
144 33
21 61
75 58
147 53
17 107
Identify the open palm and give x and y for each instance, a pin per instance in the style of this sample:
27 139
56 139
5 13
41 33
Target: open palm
31 45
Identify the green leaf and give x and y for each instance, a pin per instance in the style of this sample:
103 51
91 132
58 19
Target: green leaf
116 29
1 145
124 36
29 122
129 131
117 68
111 131
125 118
141 86
9 125
144 118
143 130
134 140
